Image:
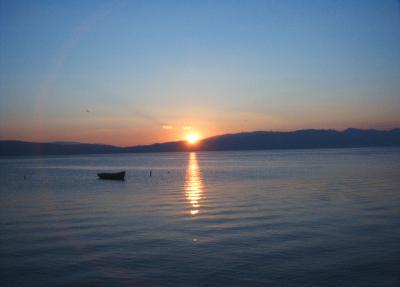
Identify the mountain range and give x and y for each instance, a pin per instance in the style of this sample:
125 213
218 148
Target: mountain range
259 140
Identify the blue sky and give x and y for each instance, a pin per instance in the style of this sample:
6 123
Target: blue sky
119 71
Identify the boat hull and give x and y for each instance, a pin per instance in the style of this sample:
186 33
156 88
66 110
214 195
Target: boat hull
112 176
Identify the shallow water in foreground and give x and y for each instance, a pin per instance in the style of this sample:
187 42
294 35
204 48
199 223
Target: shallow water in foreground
258 218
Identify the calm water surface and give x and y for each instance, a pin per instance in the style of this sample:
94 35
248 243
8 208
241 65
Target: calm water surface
259 218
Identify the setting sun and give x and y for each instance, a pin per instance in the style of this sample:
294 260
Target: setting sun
192 138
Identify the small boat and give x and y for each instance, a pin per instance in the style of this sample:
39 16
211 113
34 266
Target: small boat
112 176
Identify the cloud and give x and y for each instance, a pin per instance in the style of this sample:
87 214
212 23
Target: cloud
169 127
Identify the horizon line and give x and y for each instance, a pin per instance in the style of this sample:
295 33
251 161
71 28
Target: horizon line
66 142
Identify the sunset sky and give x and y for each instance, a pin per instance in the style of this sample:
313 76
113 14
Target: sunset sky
138 72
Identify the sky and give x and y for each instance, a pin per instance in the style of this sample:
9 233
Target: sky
139 72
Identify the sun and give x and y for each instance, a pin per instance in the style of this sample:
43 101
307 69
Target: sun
192 138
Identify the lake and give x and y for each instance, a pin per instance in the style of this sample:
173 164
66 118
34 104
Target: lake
328 217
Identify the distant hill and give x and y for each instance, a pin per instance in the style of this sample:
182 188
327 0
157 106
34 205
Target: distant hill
12 148
259 140
303 139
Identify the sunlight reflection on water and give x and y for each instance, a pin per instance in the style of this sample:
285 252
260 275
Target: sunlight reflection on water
193 184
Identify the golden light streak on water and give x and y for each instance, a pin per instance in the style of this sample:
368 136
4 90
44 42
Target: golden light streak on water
193 184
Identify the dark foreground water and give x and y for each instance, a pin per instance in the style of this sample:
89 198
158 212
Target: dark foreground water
259 218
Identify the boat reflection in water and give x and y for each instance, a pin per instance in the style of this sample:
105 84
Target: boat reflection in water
193 184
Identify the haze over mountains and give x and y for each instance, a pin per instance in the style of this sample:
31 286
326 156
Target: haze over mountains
301 139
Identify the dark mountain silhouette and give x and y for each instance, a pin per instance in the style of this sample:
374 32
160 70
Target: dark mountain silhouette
12 148
300 139
303 139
